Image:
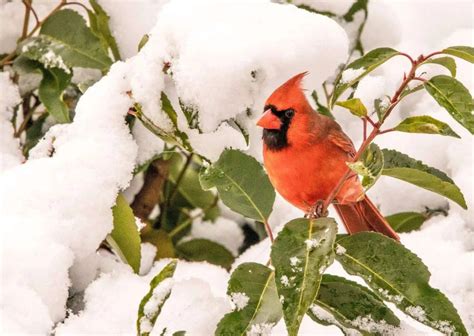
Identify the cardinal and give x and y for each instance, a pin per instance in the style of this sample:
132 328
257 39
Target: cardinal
305 155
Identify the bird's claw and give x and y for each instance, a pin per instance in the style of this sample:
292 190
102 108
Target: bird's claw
317 210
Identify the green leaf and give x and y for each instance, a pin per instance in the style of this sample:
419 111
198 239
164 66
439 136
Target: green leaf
252 288
355 106
426 125
143 41
352 306
381 108
403 167
320 107
464 52
189 186
399 276
168 109
205 250
446 61
34 133
409 90
300 254
125 238
454 97
153 301
242 184
99 23
358 69
406 221
66 41
50 93
370 165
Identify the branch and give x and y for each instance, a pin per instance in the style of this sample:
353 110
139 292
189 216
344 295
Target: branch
150 194
376 130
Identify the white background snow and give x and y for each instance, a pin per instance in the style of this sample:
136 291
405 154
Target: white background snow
52 218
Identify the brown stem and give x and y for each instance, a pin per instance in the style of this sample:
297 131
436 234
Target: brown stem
26 19
388 130
364 128
28 114
150 194
10 56
268 229
376 130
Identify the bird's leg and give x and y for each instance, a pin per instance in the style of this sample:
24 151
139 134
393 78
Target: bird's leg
317 210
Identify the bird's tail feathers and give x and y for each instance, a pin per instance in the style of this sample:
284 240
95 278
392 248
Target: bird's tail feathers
364 216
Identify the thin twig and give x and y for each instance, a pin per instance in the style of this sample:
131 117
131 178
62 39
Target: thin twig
268 229
376 130
76 4
364 128
388 130
407 56
369 119
26 19
6 60
424 80
174 192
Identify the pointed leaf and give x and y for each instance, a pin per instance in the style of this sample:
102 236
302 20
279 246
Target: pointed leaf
99 22
399 276
464 52
50 93
320 107
252 289
143 41
446 61
454 97
403 167
370 165
406 221
242 184
65 37
355 106
300 254
125 238
153 301
205 250
353 306
426 125
358 69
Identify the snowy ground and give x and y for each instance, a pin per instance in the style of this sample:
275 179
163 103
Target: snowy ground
50 233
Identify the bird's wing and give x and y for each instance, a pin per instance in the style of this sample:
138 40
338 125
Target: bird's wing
340 139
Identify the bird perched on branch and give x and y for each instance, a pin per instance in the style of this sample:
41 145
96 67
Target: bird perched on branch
305 155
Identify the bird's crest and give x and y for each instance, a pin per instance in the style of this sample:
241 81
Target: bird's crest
289 95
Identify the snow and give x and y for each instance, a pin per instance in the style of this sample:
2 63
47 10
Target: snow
340 250
62 218
239 300
367 323
285 281
223 231
261 329
349 75
9 146
417 312
111 301
152 306
61 198
311 244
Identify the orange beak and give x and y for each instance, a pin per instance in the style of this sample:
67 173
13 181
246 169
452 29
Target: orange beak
269 120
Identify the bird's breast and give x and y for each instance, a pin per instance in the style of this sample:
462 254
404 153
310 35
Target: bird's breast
303 177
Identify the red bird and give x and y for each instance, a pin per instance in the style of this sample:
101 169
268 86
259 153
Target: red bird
305 155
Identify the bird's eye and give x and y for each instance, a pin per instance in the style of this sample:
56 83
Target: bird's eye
289 113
